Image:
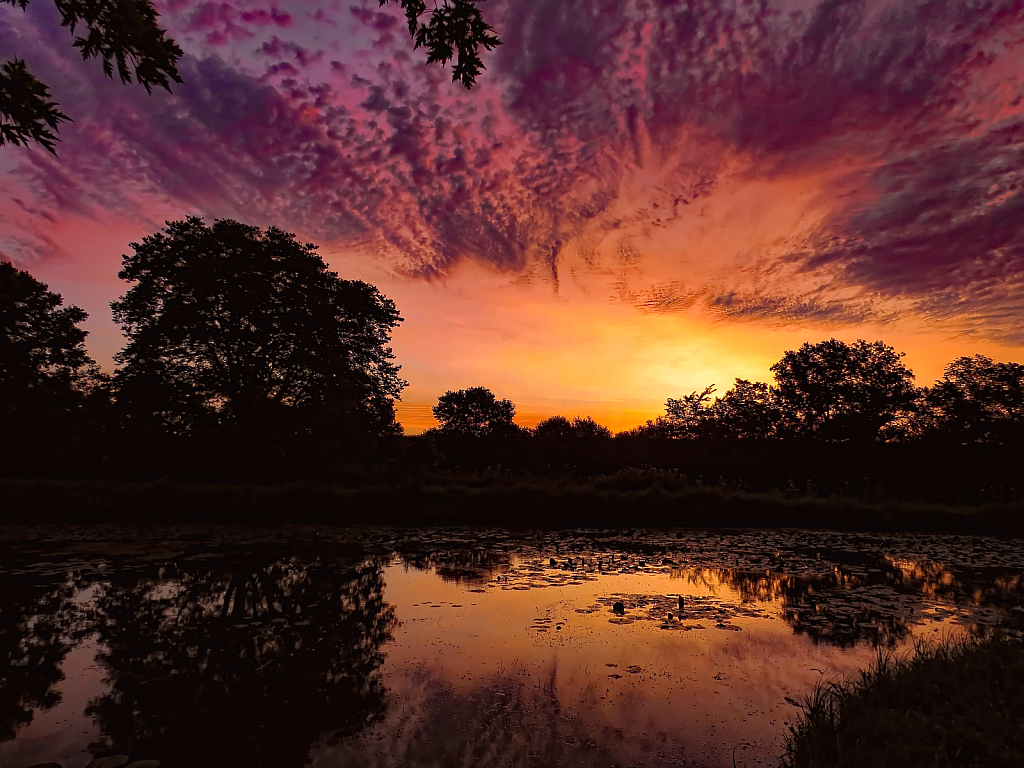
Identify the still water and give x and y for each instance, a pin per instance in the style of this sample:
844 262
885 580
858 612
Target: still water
292 646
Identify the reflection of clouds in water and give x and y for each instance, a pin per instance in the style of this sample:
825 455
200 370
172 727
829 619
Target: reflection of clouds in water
501 721
206 637
837 589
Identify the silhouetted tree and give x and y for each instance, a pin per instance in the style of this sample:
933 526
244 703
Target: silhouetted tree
747 411
231 325
474 411
683 416
43 362
579 428
588 429
125 34
976 401
837 391
556 428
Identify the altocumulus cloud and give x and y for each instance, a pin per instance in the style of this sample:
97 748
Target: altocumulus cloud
322 119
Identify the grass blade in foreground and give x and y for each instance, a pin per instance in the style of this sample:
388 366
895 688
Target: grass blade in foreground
959 703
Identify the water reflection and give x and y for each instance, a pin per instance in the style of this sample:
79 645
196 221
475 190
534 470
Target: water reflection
500 722
39 624
249 667
835 608
471 564
617 648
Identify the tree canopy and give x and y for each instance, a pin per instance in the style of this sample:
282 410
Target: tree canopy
976 401
126 36
838 391
579 428
233 325
474 411
42 350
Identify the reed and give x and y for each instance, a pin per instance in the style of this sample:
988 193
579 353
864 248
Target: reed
958 703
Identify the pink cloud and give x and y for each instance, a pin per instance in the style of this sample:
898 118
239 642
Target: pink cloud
263 17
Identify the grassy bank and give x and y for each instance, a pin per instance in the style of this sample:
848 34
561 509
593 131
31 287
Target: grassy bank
958 704
625 498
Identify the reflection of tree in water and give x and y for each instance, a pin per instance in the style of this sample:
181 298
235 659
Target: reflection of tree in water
830 608
459 565
239 664
38 626
999 588
874 598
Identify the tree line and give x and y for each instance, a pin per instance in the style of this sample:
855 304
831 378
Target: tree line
241 342
830 391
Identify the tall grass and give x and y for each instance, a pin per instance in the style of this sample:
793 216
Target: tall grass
958 703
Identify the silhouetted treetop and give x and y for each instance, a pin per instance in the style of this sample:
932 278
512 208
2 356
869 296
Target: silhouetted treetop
837 391
579 428
750 410
976 401
474 411
42 350
233 324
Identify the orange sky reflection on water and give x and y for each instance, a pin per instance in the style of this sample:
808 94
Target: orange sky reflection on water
639 691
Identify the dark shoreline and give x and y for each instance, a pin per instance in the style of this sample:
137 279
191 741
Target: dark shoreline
514 504
956 703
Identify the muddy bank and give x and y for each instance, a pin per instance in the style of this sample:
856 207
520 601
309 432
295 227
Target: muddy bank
502 502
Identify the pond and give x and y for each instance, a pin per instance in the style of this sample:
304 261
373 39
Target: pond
284 646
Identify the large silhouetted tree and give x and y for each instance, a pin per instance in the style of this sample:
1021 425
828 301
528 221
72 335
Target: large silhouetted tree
474 411
232 325
976 401
837 391
126 36
43 362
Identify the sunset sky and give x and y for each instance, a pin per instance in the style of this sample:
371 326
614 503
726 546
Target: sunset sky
639 198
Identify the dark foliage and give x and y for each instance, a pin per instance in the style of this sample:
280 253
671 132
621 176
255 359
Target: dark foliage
579 428
474 411
249 362
26 112
123 33
43 362
976 401
837 391
456 30
232 326
957 705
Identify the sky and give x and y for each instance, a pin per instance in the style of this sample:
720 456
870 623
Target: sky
638 199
